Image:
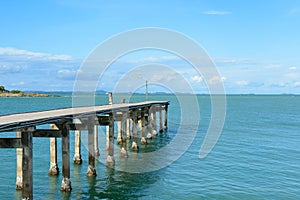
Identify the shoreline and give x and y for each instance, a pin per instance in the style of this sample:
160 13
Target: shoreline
25 95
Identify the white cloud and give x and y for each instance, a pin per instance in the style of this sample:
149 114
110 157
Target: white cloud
216 80
9 68
235 61
66 73
292 75
18 83
197 79
154 59
242 83
214 12
292 68
29 55
297 84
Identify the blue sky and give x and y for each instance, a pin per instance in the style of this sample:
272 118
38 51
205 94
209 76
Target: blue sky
255 44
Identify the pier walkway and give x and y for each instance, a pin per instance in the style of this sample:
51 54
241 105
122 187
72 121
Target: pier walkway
134 120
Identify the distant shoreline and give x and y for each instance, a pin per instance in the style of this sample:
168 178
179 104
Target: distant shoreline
25 95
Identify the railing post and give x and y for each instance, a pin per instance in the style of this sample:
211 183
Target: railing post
110 98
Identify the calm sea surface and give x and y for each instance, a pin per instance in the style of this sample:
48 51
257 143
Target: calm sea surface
256 157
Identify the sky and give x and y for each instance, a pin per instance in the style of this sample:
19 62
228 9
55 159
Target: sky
254 44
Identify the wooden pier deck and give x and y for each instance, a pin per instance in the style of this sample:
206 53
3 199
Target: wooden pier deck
129 117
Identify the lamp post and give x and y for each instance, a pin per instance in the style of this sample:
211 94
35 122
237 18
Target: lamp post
141 77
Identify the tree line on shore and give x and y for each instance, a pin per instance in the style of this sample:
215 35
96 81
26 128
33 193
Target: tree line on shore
4 90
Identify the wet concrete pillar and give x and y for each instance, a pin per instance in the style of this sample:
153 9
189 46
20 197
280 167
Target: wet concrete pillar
143 127
153 120
110 161
65 149
77 154
19 151
119 138
160 120
107 137
53 170
27 166
166 118
128 128
134 145
124 152
148 123
96 152
91 147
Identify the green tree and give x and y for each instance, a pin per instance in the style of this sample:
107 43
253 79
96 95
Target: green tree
2 89
16 92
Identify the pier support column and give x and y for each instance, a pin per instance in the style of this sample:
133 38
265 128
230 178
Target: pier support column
153 119
77 154
19 151
27 192
160 120
143 129
53 170
110 161
91 146
97 152
119 138
148 123
124 152
134 145
166 118
65 149
128 128
107 137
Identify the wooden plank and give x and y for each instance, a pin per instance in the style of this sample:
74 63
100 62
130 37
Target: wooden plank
10 143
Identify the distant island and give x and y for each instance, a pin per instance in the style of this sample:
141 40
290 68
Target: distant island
18 93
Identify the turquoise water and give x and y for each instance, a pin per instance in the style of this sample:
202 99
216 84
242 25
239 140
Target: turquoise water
256 157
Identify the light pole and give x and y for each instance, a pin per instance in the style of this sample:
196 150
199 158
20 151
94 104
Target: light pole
141 77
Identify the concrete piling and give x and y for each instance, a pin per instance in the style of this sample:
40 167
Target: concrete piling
65 145
96 148
110 161
53 170
27 191
19 151
91 147
77 154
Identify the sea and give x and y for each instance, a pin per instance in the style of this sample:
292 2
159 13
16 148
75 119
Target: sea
257 155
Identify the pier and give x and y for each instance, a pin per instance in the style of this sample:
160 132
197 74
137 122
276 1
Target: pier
68 123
